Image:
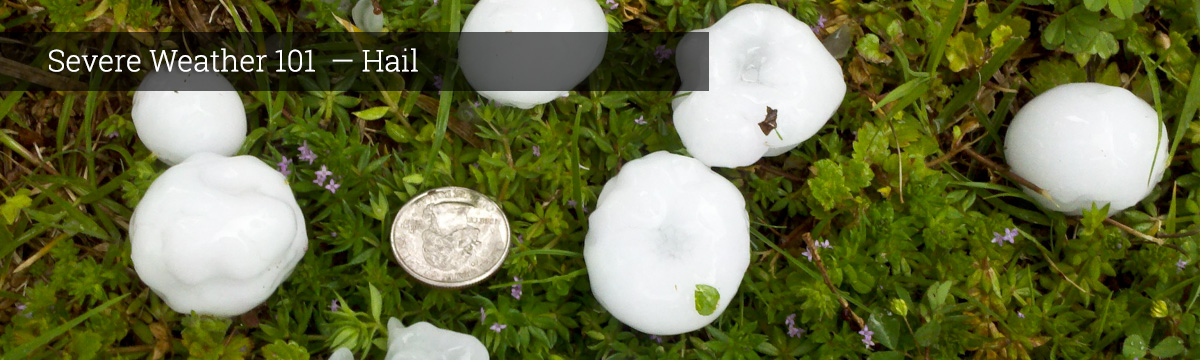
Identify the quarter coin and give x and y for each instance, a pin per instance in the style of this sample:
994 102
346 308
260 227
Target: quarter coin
450 237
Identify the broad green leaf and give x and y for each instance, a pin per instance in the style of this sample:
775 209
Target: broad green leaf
707 298
1055 33
1135 347
1121 8
1169 347
886 328
928 334
1094 5
373 113
868 47
965 51
13 205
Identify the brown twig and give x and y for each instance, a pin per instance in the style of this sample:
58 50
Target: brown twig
847 313
778 172
1142 236
1004 171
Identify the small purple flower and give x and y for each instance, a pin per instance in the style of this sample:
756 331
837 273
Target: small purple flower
612 5
437 82
1181 264
661 53
1020 315
820 24
537 151
482 314
113 134
807 254
435 2
20 307
332 187
997 239
497 327
656 338
283 166
1011 235
571 203
321 175
333 234
520 239
334 306
641 120
516 288
867 334
792 330
306 154
824 245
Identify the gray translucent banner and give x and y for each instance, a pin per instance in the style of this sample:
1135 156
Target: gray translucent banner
354 61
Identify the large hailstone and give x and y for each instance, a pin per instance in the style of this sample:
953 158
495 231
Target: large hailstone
217 235
665 224
569 44
1087 144
423 341
175 122
759 57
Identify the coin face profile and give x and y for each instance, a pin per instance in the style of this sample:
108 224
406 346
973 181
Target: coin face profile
450 237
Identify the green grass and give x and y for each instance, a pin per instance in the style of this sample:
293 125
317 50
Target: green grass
910 217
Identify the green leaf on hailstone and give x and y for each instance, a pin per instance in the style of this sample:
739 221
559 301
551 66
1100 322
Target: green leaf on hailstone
707 298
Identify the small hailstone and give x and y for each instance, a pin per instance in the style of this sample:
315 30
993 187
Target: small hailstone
485 59
365 17
217 235
1086 144
423 341
760 56
665 224
342 354
178 124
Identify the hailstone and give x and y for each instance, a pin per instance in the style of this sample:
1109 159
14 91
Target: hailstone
569 45
176 124
665 224
761 61
423 341
1087 144
216 235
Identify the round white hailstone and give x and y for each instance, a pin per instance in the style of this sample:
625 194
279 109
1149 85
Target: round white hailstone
365 17
665 224
1087 144
488 61
178 124
423 341
759 56
216 235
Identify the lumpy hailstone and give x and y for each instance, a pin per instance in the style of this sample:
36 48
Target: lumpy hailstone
1088 143
663 225
760 56
583 52
216 235
178 124
423 341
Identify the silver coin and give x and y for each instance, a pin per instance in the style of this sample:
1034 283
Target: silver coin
450 237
